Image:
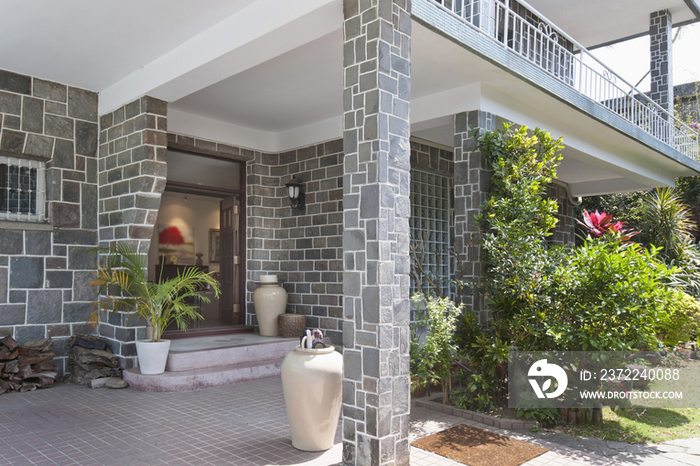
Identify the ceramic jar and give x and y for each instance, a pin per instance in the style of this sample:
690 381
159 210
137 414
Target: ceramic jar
312 381
270 300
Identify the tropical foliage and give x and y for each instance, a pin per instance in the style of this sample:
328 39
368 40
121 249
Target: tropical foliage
123 285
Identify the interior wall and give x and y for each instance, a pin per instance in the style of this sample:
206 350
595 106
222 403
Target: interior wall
199 212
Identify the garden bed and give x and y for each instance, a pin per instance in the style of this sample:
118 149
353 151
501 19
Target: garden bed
488 419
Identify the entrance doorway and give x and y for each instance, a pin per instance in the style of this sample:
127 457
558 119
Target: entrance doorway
203 201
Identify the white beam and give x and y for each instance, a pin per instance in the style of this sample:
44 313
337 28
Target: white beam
261 31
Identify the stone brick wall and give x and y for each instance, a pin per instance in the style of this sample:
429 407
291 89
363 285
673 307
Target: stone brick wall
303 248
132 173
44 270
661 50
564 233
472 178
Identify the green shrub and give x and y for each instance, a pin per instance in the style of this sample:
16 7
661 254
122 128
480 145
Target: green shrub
681 322
438 352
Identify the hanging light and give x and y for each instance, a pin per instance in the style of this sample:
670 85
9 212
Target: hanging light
296 195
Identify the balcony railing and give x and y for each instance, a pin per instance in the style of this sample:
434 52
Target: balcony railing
549 48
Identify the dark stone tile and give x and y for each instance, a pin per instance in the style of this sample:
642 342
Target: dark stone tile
44 306
88 206
33 332
86 138
49 90
11 242
12 122
17 296
59 126
12 141
26 272
55 108
61 330
63 154
132 109
76 312
55 263
14 82
10 103
152 105
71 192
81 258
65 215
81 289
40 146
82 104
12 314
32 115
38 243
59 279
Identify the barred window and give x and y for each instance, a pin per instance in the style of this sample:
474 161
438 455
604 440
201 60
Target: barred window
22 189
430 225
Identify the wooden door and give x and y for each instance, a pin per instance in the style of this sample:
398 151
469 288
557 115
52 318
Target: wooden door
230 262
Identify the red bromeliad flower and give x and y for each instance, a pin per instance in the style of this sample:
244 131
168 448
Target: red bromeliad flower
600 224
171 235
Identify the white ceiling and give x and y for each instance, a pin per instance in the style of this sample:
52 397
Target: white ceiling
595 22
94 44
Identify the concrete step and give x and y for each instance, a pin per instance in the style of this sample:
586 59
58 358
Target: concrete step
187 380
180 360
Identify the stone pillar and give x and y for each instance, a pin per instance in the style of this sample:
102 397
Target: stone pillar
471 181
376 182
131 178
661 48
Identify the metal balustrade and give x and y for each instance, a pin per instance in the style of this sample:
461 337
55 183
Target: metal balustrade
553 51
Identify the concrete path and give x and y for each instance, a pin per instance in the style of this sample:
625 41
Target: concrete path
243 424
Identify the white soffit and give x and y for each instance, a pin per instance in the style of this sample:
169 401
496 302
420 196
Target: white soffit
595 22
94 44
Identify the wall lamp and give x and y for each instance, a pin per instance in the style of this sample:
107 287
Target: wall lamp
296 195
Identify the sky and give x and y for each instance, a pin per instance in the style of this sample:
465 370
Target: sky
631 59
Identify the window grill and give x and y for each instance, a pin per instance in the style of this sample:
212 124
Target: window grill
22 189
430 225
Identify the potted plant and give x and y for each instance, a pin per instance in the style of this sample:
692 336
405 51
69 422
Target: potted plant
123 284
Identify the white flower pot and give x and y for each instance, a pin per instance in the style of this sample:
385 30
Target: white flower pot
152 356
312 381
270 300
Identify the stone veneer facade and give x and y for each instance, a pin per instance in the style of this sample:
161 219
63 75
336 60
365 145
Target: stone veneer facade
376 234
304 248
44 270
131 174
661 49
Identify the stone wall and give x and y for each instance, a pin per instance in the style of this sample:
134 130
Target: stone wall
44 268
564 233
471 181
661 58
131 172
304 248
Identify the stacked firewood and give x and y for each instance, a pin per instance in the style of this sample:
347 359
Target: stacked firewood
26 367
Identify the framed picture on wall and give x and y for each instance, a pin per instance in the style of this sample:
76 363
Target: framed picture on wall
213 245
176 243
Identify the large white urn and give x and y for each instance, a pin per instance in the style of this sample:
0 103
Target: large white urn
312 381
270 300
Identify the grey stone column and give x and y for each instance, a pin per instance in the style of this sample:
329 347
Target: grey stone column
131 178
471 180
661 48
376 203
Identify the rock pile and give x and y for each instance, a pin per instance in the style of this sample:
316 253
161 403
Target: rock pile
91 359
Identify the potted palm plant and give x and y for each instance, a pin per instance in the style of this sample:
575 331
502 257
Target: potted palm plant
123 284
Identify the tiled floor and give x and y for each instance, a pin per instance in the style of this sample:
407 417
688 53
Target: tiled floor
243 424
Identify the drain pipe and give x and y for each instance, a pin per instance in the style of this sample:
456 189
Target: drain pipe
575 202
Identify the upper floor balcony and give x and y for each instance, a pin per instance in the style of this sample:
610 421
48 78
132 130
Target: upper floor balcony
532 71
520 29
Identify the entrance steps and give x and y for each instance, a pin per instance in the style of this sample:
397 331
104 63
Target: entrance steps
201 362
